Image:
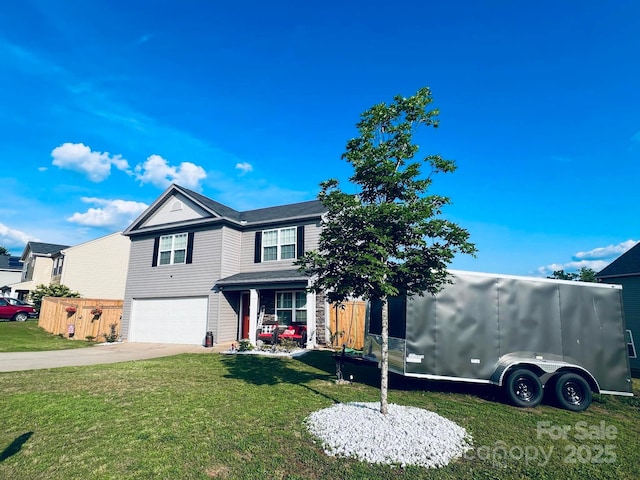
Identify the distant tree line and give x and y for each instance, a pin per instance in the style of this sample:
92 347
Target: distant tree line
585 274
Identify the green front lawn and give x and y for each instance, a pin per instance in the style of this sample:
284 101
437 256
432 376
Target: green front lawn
204 416
29 337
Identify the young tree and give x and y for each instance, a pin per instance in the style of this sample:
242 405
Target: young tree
389 239
586 274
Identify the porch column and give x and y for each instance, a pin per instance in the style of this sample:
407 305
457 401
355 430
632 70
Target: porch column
253 314
311 320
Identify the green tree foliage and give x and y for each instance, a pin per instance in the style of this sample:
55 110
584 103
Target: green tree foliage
562 275
4 250
585 274
389 238
51 290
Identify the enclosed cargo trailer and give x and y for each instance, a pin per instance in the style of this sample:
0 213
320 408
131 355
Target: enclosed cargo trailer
524 334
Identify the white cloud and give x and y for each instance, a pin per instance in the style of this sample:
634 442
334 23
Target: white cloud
112 213
595 259
80 158
573 266
244 167
13 237
606 252
43 169
157 171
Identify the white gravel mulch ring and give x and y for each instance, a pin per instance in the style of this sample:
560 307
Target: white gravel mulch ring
405 436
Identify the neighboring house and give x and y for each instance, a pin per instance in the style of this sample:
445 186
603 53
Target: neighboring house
10 272
198 266
625 271
95 269
37 264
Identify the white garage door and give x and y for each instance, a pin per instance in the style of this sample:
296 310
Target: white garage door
169 320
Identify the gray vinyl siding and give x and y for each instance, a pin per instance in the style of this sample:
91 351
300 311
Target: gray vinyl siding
227 326
247 264
184 280
631 303
311 236
232 246
225 312
217 253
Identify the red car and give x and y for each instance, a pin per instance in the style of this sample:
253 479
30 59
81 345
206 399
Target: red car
12 309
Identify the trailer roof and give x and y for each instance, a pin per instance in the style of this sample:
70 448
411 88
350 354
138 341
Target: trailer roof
537 279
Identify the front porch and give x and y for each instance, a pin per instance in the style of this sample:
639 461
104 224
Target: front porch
276 301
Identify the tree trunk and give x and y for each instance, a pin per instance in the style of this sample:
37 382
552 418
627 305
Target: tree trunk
384 364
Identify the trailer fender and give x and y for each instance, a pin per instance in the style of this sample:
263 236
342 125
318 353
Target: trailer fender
546 367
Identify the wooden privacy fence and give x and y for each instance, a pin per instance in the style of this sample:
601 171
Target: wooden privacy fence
57 315
346 323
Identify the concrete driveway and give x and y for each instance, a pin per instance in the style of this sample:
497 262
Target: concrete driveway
110 353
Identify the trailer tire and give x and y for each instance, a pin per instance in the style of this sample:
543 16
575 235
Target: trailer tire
572 392
524 388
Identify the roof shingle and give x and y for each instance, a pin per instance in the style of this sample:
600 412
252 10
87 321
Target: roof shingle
626 264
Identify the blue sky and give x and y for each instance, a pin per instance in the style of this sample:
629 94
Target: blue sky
104 103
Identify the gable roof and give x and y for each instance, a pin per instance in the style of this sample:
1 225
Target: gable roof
282 212
626 264
267 214
212 205
223 213
40 248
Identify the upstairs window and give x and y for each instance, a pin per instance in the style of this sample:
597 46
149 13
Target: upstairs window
173 249
57 266
278 244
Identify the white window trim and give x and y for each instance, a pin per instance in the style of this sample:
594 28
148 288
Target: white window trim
633 345
293 308
57 266
279 245
173 249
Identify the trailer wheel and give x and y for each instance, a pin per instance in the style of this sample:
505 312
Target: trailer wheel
572 392
524 388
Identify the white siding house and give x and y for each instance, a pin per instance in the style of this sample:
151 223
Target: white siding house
37 265
95 269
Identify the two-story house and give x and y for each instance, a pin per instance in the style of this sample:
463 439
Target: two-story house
37 267
198 266
10 272
95 269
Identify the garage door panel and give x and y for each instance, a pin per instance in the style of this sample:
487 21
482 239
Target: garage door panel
169 320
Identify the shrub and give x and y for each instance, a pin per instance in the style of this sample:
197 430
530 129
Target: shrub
51 290
112 336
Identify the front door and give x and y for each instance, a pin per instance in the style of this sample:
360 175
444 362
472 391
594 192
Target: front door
244 316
